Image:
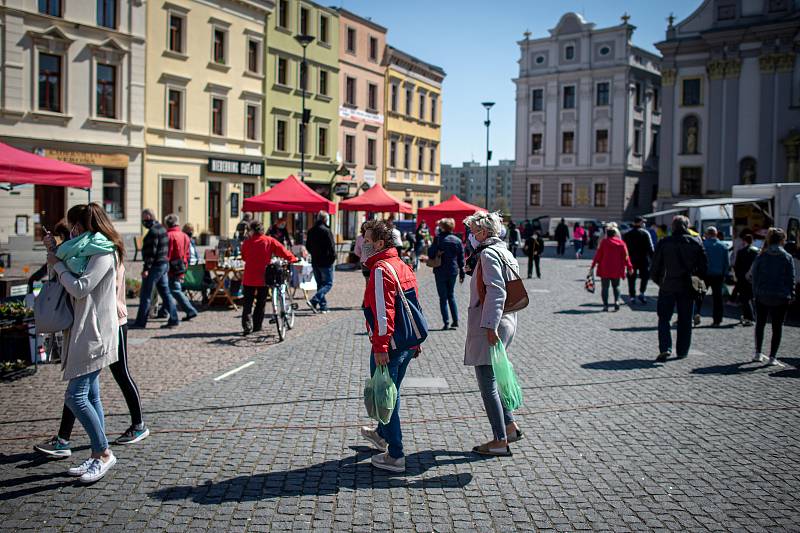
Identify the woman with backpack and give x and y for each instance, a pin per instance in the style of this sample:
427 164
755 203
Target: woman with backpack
772 275
488 323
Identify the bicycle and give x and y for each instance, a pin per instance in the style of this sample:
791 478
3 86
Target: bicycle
277 276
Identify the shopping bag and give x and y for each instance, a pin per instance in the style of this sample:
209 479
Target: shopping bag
507 386
380 395
589 283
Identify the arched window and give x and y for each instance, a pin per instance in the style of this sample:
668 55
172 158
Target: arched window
747 171
690 135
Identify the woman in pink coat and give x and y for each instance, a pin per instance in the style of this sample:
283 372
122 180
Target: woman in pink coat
613 262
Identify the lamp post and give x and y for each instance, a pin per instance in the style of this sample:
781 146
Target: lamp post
304 41
487 123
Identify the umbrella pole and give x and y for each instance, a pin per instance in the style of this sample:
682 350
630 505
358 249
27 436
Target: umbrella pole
89 195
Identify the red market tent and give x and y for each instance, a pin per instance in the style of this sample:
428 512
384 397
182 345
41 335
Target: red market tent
376 200
19 167
291 195
453 207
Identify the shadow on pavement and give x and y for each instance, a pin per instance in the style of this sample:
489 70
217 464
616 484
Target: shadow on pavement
729 370
636 329
324 478
59 480
622 364
577 311
792 371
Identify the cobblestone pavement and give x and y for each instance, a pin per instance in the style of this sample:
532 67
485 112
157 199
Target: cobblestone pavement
612 440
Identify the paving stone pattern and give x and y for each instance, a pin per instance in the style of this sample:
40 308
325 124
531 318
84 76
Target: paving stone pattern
612 442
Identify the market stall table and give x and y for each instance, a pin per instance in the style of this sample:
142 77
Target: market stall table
221 292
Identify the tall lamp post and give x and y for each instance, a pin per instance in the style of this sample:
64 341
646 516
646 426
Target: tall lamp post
304 41
487 123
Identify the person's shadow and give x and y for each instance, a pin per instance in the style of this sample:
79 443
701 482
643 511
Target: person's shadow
326 479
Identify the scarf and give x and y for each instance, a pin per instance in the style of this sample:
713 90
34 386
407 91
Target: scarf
472 260
76 252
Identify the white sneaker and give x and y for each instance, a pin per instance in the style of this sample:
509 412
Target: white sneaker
378 442
98 469
773 361
384 461
77 471
758 357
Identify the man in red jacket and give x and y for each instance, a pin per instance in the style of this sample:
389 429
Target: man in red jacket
257 252
379 254
178 259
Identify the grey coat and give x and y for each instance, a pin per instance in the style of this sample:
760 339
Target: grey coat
91 343
490 315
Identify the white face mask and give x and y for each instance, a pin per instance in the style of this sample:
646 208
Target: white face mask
367 251
473 241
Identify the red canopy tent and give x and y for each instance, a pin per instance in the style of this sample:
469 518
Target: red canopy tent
290 195
453 207
376 200
20 167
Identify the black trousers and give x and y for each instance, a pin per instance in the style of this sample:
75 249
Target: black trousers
777 313
714 284
561 247
252 320
604 283
744 290
643 273
534 261
126 384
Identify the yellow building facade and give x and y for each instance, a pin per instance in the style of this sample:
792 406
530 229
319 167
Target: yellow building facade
412 130
205 87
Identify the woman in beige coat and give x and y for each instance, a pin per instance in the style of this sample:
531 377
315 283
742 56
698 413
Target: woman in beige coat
87 268
487 323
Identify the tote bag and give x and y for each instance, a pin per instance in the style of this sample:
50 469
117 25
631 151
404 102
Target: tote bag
52 309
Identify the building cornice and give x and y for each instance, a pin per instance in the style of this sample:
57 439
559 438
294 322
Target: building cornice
68 26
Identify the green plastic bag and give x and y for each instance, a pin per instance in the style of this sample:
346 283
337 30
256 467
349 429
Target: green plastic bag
380 395
507 386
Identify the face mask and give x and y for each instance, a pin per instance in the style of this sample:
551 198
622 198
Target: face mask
189 233
282 226
473 241
73 232
148 223
367 251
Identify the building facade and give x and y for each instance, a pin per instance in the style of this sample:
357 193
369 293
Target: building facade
284 94
72 88
587 123
468 182
205 102
731 94
412 130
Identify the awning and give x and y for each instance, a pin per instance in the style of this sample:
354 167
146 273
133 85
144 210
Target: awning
707 202
376 200
20 167
665 212
453 207
290 195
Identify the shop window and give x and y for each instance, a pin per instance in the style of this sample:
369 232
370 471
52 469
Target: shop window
248 190
114 193
106 92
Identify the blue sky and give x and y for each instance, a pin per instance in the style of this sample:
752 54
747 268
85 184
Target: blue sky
475 42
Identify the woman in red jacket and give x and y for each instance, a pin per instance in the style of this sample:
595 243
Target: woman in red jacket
257 252
612 262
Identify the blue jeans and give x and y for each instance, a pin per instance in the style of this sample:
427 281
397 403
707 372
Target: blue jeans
445 286
499 416
665 307
83 399
324 278
176 289
391 432
156 277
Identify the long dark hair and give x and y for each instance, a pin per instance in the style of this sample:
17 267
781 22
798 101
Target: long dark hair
94 218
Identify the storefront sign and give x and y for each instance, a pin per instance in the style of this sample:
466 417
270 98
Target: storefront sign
86 158
241 168
369 177
341 189
348 113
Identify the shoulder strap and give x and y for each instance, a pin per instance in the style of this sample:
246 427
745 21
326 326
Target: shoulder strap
504 261
391 269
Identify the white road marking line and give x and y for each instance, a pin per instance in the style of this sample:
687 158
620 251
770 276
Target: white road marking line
539 290
235 370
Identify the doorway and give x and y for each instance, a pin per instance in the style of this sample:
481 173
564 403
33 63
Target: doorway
48 203
214 207
173 198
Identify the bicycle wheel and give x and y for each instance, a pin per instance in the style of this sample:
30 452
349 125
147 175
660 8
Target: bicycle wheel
289 300
276 313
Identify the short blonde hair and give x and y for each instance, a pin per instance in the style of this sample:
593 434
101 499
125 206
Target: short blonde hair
447 224
491 222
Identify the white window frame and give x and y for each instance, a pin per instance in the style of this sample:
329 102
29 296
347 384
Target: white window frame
182 90
308 8
224 27
58 46
570 181
260 55
278 16
347 50
377 96
288 71
541 192
319 82
319 29
325 127
258 107
113 56
541 150
574 143
287 149
596 86
377 58
216 96
608 140
574 96
374 163
595 181
354 102
355 149
542 110
177 11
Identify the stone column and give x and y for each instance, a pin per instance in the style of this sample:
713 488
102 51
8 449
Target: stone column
715 130
766 118
666 183
784 120
730 163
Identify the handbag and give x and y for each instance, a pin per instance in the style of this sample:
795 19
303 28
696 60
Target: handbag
177 267
589 283
696 283
435 262
52 309
516 295
410 325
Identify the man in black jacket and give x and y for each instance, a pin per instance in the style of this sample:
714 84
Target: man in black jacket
640 250
322 247
155 248
677 258
561 235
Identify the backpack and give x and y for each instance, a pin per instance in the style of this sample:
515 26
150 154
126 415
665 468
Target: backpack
410 325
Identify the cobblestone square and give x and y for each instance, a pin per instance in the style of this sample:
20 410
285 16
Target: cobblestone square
612 442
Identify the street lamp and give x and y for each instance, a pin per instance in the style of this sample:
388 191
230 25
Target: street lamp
487 123
304 41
